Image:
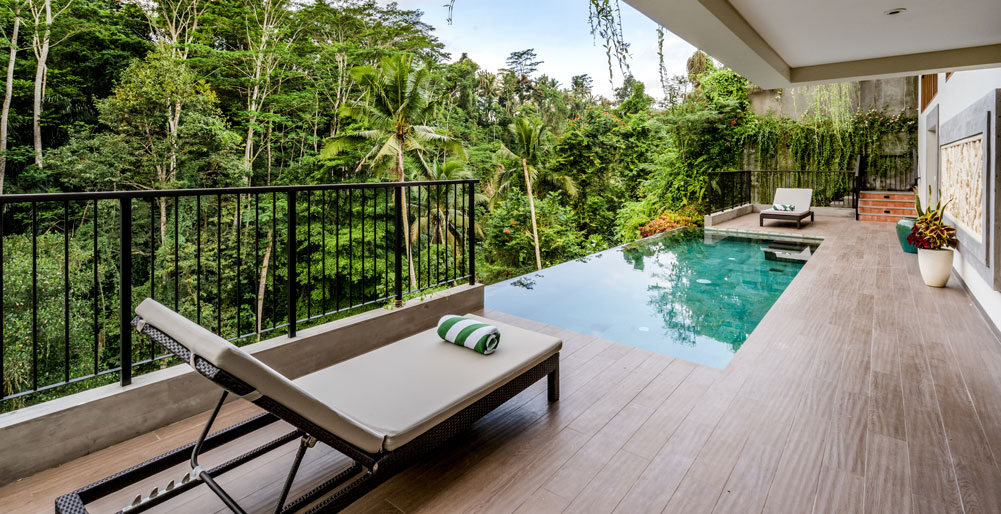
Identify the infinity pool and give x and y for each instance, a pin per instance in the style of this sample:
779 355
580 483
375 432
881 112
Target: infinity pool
690 293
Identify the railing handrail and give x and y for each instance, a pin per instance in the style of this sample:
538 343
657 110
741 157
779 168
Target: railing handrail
171 193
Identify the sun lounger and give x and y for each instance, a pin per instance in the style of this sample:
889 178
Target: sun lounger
382 409
800 199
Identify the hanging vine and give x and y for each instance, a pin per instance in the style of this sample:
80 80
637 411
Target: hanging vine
605 19
450 6
662 67
822 142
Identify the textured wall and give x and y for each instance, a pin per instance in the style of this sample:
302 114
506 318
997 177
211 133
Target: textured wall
962 183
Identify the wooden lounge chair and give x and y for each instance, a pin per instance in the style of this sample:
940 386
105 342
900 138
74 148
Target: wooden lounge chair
801 199
382 409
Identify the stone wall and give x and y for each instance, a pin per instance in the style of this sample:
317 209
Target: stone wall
892 96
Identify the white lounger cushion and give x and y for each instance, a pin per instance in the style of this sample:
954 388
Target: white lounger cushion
800 199
379 400
226 356
406 388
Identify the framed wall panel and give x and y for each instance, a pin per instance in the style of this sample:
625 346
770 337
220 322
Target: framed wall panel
970 176
963 185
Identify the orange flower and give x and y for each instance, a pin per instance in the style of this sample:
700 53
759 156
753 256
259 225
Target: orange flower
513 223
506 231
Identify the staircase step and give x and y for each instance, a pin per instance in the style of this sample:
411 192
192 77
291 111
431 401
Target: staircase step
889 218
879 209
886 195
886 203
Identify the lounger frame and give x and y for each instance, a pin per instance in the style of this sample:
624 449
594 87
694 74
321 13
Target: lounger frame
342 489
797 217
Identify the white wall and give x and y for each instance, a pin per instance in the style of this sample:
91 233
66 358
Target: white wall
954 95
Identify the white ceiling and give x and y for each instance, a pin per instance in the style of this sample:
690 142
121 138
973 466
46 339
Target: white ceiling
811 32
778 43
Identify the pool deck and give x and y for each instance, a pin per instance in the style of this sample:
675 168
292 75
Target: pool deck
862 390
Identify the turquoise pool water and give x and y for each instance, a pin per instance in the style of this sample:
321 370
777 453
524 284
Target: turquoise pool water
690 293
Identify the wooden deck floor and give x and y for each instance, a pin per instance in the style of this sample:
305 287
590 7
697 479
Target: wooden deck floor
862 390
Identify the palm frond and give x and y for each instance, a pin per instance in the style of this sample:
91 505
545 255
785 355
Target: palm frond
337 144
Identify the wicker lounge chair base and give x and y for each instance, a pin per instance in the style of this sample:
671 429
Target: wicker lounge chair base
797 217
368 470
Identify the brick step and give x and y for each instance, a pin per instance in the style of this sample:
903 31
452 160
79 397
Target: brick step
879 209
889 218
886 195
886 203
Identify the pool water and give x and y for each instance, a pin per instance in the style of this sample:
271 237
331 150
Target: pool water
689 293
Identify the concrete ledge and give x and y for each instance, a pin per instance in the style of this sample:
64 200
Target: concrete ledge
727 215
43 436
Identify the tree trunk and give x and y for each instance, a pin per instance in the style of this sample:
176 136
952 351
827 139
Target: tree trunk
173 126
261 289
8 93
531 207
163 219
39 94
406 218
248 153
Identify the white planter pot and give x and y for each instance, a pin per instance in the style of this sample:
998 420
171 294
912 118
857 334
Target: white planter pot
935 265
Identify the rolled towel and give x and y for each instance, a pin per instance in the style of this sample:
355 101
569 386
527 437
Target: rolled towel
783 207
470 333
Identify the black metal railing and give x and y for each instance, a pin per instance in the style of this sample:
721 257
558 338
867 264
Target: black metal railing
243 262
889 172
731 189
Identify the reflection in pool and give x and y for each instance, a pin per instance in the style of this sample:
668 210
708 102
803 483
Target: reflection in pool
688 293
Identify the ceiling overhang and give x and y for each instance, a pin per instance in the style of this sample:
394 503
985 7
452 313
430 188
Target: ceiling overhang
763 51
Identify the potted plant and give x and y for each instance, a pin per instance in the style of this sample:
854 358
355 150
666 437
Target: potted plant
934 239
906 224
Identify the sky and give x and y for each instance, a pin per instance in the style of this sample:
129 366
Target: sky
489 30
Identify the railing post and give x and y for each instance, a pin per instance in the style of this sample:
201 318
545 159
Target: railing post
857 189
747 177
471 215
398 243
710 191
125 295
292 243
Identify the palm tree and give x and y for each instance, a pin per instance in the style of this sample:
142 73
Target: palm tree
396 107
446 224
528 137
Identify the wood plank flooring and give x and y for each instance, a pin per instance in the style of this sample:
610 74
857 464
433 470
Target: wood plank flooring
862 390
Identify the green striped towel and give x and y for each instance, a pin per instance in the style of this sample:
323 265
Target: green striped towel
783 207
469 333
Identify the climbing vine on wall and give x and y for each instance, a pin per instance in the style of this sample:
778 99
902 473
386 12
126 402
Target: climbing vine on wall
820 142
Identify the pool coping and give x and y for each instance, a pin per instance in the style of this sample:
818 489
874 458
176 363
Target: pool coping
771 235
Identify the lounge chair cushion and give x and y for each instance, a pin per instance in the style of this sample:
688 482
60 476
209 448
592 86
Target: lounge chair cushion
800 198
226 356
404 389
